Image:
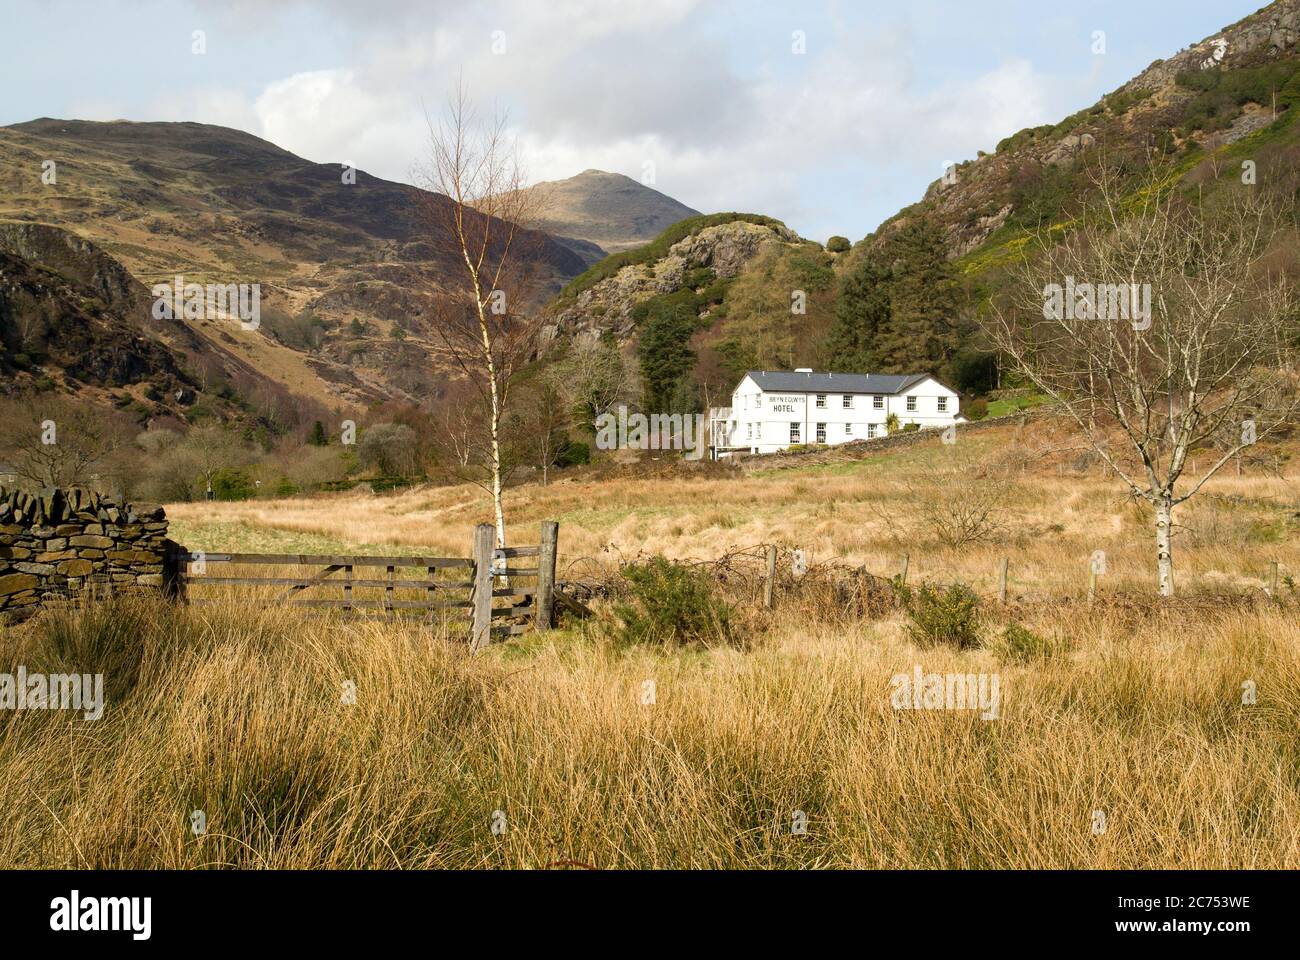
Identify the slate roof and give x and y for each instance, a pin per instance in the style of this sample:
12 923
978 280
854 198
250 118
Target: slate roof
790 381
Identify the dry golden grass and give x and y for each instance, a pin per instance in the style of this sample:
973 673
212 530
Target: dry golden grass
238 714
865 512
1137 712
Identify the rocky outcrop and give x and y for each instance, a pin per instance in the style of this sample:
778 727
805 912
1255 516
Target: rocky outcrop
1266 34
979 196
724 248
65 543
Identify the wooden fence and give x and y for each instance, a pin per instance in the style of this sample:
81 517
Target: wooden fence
459 589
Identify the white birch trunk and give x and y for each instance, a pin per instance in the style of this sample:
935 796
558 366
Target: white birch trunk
1164 548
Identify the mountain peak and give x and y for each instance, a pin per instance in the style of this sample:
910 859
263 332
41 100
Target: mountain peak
611 210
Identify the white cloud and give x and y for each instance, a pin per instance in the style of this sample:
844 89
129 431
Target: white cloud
616 86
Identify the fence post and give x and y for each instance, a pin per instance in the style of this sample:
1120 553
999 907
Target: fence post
484 544
769 582
1092 581
902 576
546 574
1002 580
1272 580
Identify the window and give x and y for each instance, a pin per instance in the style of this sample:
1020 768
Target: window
758 399
911 404
943 404
871 430
821 400
749 432
821 433
877 403
794 433
848 429
848 401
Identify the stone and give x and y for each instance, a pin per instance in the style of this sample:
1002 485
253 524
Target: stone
15 583
132 556
54 556
39 568
150 580
76 568
104 543
56 543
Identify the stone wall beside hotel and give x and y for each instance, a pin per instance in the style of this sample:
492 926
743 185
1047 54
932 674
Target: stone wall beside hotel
62 544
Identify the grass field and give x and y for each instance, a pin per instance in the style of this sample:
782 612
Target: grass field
1141 735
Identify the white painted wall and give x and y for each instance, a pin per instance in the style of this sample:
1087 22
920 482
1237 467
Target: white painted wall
761 422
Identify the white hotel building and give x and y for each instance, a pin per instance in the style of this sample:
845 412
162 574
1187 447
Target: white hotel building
774 410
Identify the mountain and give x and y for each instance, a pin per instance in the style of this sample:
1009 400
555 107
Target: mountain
347 275
597 213
69 311
708 298
1229 97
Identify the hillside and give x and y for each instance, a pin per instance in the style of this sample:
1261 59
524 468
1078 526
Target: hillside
347 274
706 299
1230 94
905 297
72 317
598 213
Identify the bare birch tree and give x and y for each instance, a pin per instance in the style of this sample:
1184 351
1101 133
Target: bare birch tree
1159 323
479 214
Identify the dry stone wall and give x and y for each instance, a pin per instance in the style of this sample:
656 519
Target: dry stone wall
66 543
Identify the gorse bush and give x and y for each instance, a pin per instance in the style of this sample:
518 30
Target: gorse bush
938 615
1022 644
671 603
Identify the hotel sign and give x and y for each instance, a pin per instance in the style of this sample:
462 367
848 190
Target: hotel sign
786 404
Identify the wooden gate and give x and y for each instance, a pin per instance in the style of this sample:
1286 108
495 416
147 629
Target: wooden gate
512 585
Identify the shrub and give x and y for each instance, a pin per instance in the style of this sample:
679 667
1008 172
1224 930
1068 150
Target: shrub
699 278
388 449
838 244
571 453
670 603
943 616
1022 644
977 409
911 427
230 483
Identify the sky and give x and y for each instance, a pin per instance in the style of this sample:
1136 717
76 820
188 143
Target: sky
828 114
